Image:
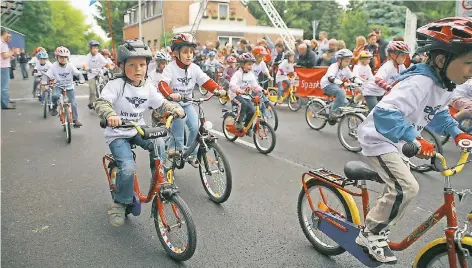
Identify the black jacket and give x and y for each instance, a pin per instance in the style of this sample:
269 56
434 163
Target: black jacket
22 58
308 60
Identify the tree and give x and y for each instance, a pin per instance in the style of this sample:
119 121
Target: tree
168 39
427 11
351 25
383 12
118 10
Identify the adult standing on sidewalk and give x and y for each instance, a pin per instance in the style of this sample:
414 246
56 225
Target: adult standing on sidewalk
23 59
5 70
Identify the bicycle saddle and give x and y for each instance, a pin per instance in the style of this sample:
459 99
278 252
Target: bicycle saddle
357 170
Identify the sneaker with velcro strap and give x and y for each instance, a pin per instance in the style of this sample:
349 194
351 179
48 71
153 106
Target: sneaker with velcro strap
376 246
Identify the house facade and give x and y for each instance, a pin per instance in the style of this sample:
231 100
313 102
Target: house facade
224 20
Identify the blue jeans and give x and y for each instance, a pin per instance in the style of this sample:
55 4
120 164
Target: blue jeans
372 101
192 122
4 81
36 81
121 150
24 72
71 96
335 90
281 88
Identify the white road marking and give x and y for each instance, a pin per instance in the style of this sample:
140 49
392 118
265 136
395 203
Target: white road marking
243 142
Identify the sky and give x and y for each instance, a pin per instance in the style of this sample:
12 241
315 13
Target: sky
83 5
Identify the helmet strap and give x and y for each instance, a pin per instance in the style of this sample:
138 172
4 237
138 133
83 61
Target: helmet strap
448 83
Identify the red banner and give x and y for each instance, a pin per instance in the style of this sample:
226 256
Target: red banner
309 81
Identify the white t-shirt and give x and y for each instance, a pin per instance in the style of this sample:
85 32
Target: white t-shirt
259 68
464 90
155 77
364 72
333 70
64 75
241 81
418 98
94 63
283 70
212 64
388 73
4 63
129 104
33 60
42 69
183 81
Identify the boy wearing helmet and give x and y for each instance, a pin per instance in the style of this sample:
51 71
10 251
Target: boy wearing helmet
106 54
420 98
363 71
212 63
63 73
41 67
94 62
122 100
284 70
374 90
462 101
229 71
260 67
244 80
338 75
178 81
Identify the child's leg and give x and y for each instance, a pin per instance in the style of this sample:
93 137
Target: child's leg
280 89
249 109
177 142
192 124
335 90
92 91
371 102
121 150
71 96
238 101
55 96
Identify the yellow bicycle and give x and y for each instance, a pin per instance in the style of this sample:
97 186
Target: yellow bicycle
294 100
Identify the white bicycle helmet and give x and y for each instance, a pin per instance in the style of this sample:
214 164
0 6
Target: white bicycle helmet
343 53
62 52
162 56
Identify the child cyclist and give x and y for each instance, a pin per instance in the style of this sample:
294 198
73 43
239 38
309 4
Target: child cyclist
178 81
284 70
212 64
63 73
122 100
94 61
229 71
244 79
374 90
420 98
337 76
363 71
462 101
40 69
161 59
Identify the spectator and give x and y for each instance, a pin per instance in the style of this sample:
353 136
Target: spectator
382 45
373 48
243 46
333 45
360 43
278 57
323 43
217 44
209 47
314 46
23 59
5 70
341 44
306 57
13 60
199 46
326 58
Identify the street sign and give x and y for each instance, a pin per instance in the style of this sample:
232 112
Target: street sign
464 8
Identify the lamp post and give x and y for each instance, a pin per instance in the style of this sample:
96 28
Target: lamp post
139 20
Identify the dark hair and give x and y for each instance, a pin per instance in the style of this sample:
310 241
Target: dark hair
298 41
371 34
243 41
398 38
280 44
3 31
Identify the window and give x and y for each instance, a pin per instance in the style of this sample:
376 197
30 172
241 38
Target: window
131 17
126 19
223 10
145 10
151 8
229 39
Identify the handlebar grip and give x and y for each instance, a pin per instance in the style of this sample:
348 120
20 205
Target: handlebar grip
410 149
103 123
154 133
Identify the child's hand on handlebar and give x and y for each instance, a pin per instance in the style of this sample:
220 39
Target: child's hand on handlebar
426 149
113 121
175 96
178 111
220 92
462 136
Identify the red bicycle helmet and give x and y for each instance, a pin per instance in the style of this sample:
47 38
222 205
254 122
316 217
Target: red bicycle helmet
453 35
259 50
231 59
398 47
105 52
246 57
183 39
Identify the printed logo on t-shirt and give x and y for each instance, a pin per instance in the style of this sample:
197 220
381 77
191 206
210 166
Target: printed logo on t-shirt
136 101
64 75
184 80
431 112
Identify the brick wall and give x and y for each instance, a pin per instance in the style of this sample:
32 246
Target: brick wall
176 14
131 32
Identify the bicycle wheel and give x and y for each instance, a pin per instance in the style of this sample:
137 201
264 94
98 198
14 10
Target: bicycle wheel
424 165
261 133
178 217
444 139
320 193
215 173
45 103
352 122
228 121
314 115
271 116
67 124
437 256
294 102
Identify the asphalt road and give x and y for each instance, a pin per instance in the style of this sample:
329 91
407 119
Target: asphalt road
54 197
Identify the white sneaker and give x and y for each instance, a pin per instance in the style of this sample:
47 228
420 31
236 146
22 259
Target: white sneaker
377 245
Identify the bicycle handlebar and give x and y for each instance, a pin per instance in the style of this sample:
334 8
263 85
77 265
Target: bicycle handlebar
411 149
198 101
144 131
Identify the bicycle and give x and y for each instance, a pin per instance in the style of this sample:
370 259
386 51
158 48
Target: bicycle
65 111
353 115
423 165
324 218
99 80
212 161
294 100
261 129
215 76
162 193
46 101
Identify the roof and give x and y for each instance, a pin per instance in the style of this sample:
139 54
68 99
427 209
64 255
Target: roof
237 28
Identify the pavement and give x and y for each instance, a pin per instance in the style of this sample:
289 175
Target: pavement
54 197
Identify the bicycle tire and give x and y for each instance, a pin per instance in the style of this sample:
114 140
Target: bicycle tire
271 107
67 124
217 198
304 221
45 104
427 259
298 102
229 136
309 109
433 138
444 139
341 138
272 134
185 214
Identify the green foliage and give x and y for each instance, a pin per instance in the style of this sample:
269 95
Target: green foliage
383 12
118 10
168 38
351 25
428 11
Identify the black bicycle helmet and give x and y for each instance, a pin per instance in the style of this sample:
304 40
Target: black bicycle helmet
133 49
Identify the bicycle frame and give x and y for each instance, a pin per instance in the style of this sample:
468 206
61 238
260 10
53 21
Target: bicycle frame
64 102
447 209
